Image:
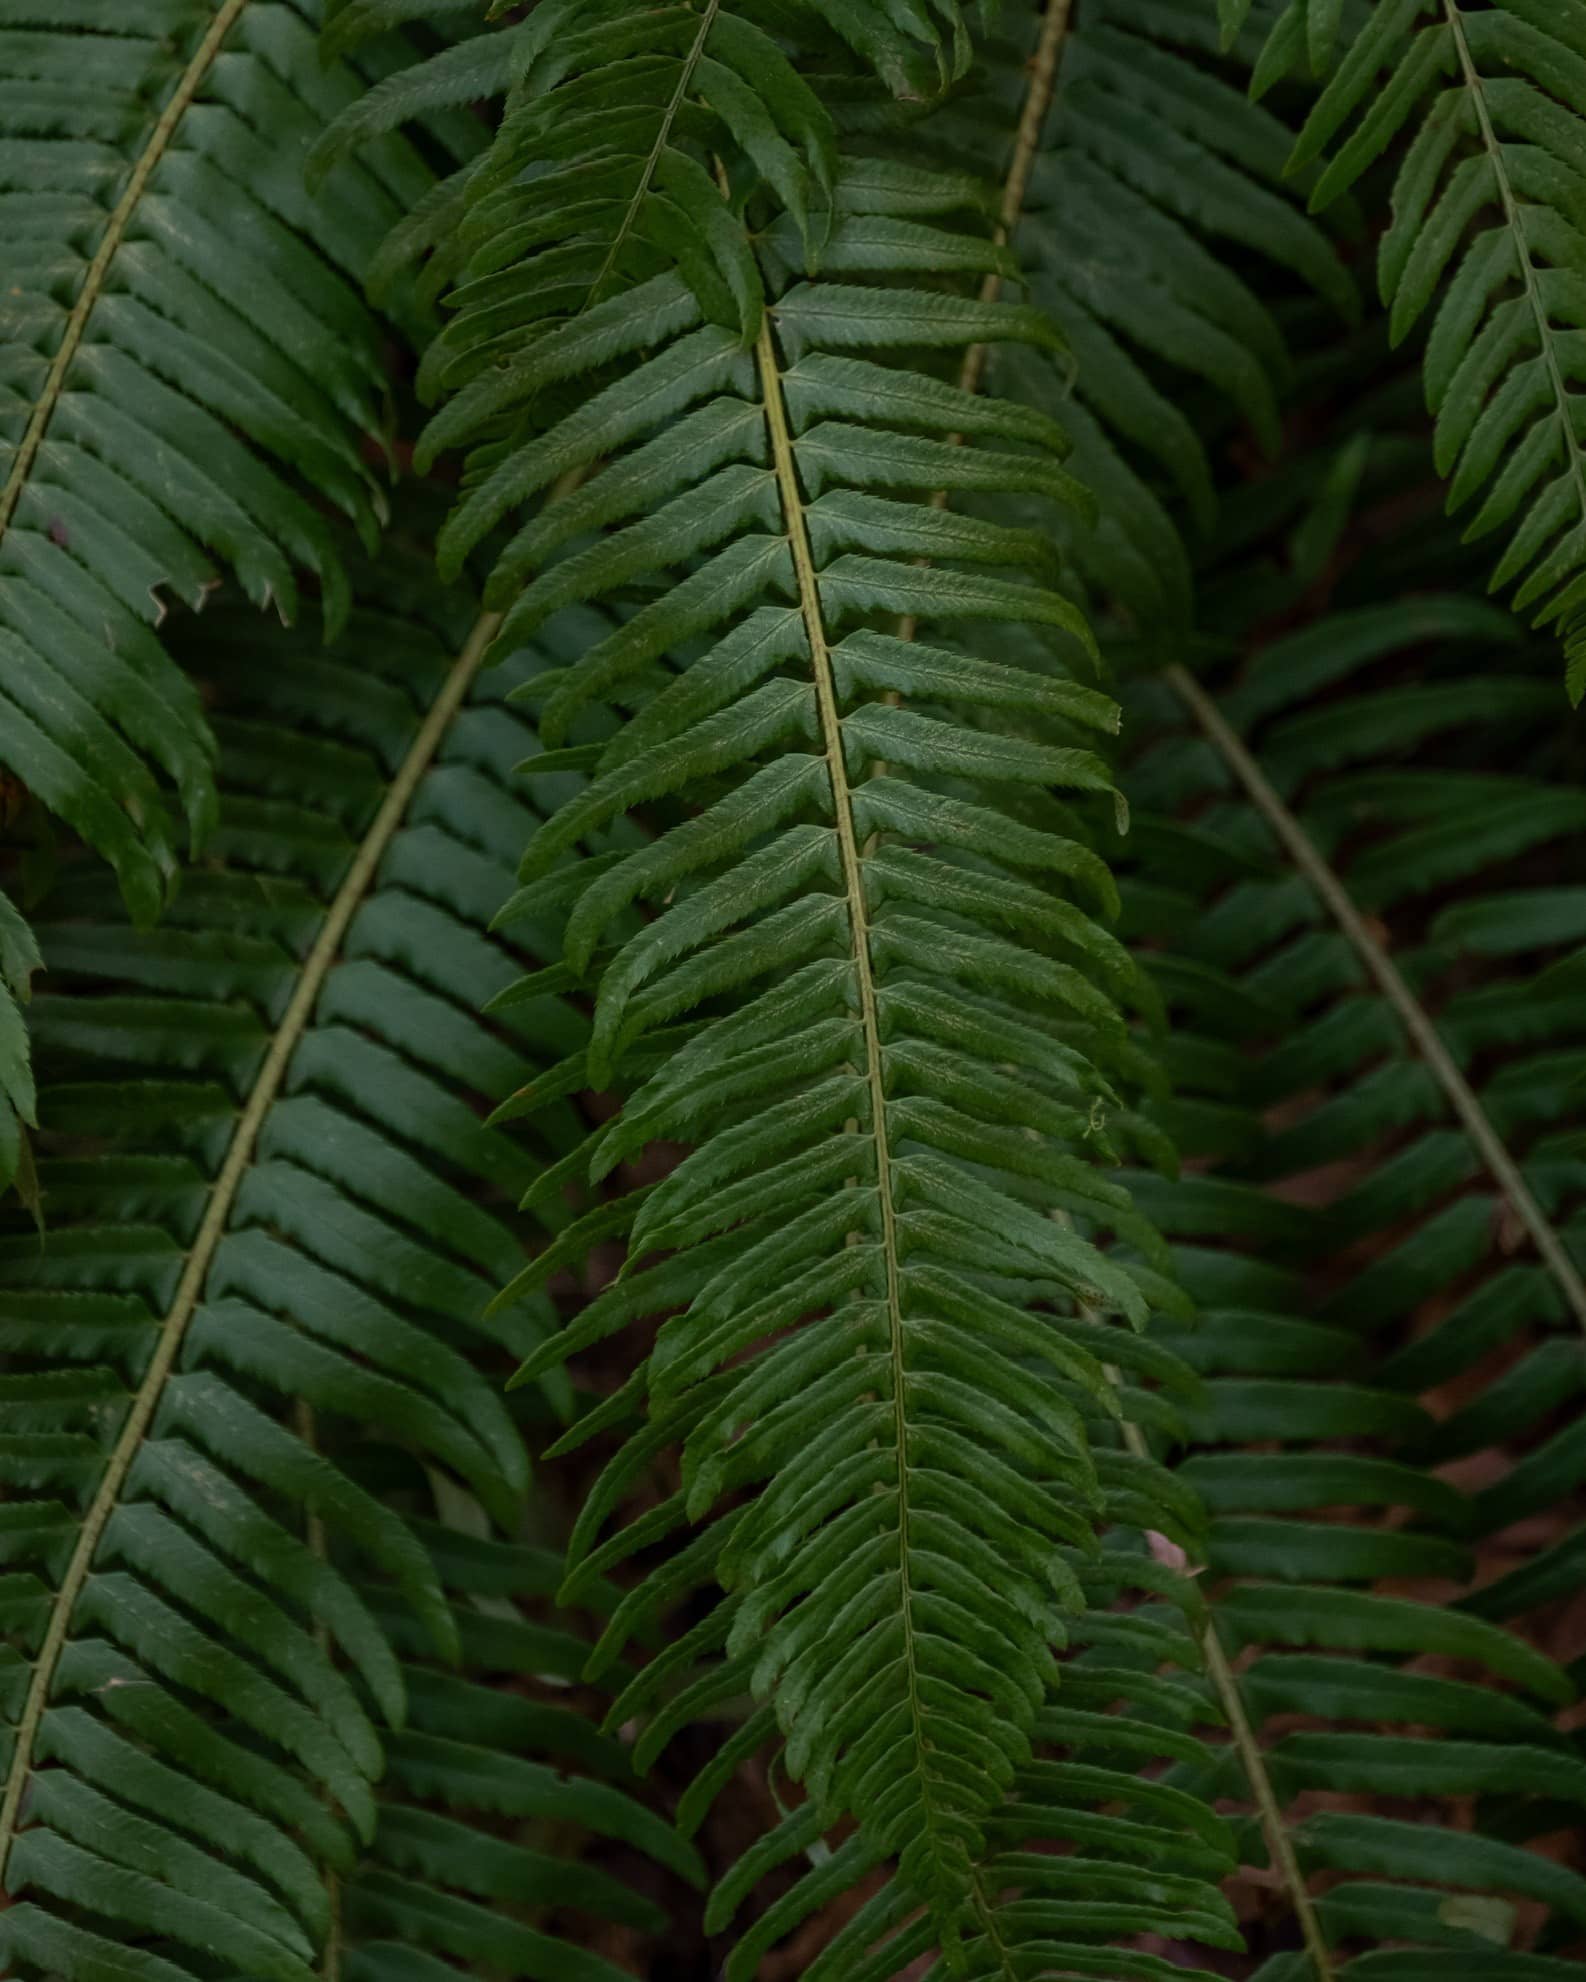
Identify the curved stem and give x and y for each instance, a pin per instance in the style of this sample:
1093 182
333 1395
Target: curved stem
851 860
222 1197
1417 1020
154 150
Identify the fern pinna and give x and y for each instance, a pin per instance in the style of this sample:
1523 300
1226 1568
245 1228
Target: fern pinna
876 914
250 1354
1294 866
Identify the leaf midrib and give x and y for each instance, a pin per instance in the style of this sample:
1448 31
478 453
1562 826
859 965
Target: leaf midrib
159 142
239 1155
851 860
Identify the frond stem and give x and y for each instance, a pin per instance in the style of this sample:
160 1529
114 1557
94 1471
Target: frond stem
1253 1761
1416 1019
1037 102
99 268
266 1087
852 864
1280 1841
1575 459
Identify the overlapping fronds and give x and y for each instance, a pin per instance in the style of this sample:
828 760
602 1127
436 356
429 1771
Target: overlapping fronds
274 1219
1350 929
809 387
491 1779
1157 186
1330 1561
872 913
1487 224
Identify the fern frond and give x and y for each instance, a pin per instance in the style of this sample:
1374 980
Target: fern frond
1486 224
268 1190
780 1211
1304 903
1157 185
841 944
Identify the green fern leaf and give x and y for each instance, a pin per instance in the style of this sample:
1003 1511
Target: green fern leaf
1326 845
1485 223
146 391
1142 1857
188 377
440 1884
819 967
623 115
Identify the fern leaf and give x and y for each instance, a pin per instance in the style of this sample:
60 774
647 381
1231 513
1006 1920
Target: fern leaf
269 1193
835 983
1319 850
1304 33
147 396
786 1067
1485 224
188 377
622 114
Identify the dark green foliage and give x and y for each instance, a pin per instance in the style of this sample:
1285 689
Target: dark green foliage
1384 768
273 1220
171 291
891 994
188 376
629 139
1488 222
1134 1856
980 1532
489 1746
856 1168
